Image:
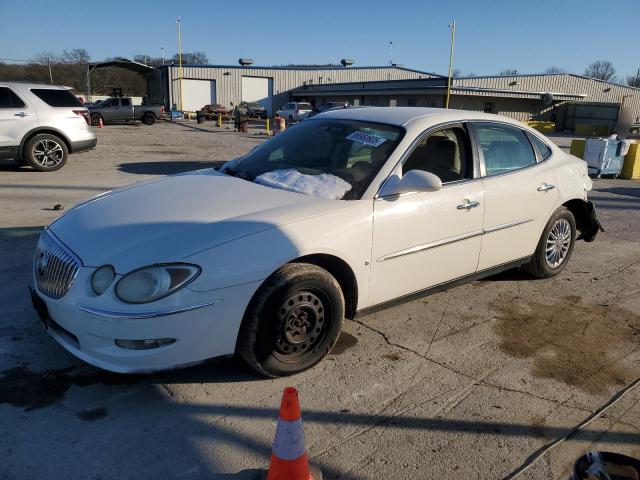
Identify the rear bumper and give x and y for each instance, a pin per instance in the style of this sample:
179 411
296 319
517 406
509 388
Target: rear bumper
83 145
590 225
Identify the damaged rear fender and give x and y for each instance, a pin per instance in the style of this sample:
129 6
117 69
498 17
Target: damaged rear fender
587 222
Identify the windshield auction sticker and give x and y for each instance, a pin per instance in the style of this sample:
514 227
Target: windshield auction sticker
366 138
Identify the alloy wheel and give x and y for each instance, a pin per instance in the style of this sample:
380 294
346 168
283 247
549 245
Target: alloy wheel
558 243
48 153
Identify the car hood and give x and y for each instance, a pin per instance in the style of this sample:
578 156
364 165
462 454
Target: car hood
171 218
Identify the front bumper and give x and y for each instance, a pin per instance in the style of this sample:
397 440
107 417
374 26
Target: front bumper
204 325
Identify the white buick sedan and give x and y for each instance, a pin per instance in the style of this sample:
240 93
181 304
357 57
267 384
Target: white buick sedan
349 211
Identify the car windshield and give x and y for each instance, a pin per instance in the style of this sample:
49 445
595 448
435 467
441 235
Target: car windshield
254 105
305 106
328 158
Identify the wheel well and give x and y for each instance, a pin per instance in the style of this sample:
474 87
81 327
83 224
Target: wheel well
44 130
149 113
342 272
581 213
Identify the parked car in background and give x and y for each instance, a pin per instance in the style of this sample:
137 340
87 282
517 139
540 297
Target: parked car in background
121 109
326 106
212 111
252 109
295 111
41 124
346 212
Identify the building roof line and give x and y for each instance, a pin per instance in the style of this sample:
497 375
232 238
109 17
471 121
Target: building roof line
328 67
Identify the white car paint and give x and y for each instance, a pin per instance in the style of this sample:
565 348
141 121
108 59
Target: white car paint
240 232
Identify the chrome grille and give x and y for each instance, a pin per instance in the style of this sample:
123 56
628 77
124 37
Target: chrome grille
54 266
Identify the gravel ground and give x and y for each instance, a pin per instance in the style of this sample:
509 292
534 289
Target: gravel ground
467 383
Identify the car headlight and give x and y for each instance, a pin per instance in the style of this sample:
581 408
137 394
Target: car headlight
155 282
102 278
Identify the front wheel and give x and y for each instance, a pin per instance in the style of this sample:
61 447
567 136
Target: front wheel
45 152
555 246
293 321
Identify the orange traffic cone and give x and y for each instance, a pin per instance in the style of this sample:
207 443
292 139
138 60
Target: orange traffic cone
289 460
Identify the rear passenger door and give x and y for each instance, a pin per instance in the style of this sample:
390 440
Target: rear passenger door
126 109
17 117
519 193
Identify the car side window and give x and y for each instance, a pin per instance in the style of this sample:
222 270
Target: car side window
504 148
543 148
8 99
126 102
444 153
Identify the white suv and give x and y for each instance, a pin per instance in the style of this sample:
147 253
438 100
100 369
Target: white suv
40 125
295 111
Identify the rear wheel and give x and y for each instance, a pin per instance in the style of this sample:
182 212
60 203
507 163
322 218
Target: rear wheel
148 118
555 246
293 321
45 152
95 119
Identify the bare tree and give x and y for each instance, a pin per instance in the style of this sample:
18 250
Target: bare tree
456 73
508 72
552 70
149 60
601 70
77 56
192 58
634 80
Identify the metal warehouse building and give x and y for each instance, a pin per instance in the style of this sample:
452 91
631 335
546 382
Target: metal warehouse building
573 102
230 84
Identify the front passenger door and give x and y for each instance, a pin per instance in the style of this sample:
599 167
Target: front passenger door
424 239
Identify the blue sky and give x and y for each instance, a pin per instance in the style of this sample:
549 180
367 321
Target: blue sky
492 35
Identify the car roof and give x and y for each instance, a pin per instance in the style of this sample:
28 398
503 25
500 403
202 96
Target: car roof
34 85
402 116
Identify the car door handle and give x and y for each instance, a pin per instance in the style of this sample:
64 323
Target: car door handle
546 186
21 114
468 205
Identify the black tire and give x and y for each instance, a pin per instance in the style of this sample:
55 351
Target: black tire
45 152
95 119
290 119
292 322
148 118
561 241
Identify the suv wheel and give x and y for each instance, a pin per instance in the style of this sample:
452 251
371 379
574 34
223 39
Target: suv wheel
149 119
95 119
45 152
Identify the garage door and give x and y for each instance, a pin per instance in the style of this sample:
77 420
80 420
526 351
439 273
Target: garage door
258 89
197 94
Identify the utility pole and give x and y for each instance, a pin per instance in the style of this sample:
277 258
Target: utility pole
179 63
390 53
162 48
453 39
50 74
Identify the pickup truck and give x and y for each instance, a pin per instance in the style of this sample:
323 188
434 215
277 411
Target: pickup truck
121 109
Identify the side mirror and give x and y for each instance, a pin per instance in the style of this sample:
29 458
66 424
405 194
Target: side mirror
412 181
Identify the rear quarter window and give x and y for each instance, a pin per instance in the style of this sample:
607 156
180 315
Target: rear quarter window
543 148
8 99
56 98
